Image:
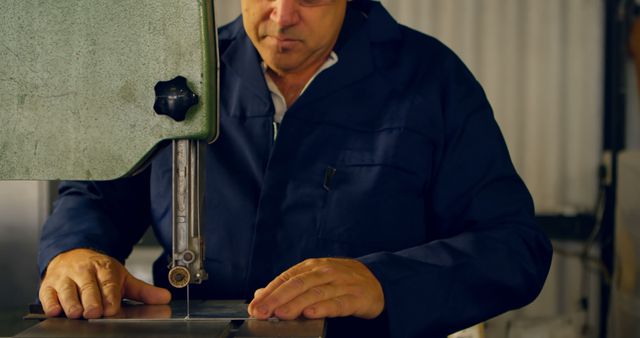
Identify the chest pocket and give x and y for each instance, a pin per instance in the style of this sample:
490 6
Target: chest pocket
374 199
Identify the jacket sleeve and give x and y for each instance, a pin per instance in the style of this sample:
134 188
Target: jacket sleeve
107 216
488 256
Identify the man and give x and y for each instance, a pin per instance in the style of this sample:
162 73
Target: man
343 134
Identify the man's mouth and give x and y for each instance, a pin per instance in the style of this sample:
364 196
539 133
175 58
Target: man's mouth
283 38
283 43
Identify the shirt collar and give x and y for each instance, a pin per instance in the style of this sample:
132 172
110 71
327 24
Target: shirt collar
277 98
331 60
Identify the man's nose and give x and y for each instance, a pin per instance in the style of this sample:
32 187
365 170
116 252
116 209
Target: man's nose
285 12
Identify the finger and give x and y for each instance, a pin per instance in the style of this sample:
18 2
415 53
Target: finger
287 291
136 289
68 297
341 306
317 294
258 311
257 295
90 295
110 282
305 266
49 300
258 292
283 278
264 302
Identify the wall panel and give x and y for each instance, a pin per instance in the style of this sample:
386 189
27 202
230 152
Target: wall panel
540 62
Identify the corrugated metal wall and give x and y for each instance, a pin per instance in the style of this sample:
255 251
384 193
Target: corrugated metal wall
226 10
540 62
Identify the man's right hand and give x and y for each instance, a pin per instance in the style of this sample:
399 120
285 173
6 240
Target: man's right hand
85 283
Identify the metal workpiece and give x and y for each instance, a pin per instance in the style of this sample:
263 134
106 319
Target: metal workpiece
210 318
303 328
249 328
60 327
187 260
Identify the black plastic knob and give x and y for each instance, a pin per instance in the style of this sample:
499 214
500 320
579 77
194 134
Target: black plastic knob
174 98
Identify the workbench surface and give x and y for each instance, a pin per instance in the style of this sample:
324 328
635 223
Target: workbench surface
224 319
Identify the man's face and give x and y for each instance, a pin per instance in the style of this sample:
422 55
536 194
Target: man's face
293 35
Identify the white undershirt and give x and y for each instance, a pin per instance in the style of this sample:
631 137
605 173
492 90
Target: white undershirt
279 103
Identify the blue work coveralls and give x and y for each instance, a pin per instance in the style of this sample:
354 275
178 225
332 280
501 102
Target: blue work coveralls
392 156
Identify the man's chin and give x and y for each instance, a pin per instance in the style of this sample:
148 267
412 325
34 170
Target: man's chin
284 64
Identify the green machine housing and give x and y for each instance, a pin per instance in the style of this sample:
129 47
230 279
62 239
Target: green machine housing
77 81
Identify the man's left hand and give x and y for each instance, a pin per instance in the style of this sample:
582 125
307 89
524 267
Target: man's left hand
319 288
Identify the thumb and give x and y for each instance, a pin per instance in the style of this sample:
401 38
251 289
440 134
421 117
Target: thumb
138 290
